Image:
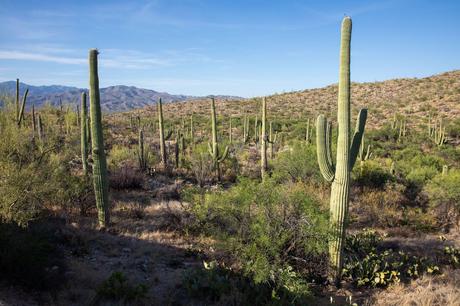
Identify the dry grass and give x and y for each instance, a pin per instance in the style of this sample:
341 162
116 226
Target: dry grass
443 290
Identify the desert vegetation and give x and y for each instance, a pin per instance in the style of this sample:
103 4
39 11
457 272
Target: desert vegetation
216 202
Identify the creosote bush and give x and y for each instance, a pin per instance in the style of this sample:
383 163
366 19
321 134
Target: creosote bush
266 227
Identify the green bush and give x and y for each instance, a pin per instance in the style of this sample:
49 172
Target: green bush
221 285
444 195
371 174
117 289
297 165
264 226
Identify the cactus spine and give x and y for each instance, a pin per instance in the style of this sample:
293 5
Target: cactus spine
84 134
214 147
101 187
346 155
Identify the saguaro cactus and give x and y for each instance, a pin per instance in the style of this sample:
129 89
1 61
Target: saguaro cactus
214 148
40 128
245 129
271 141
346 155
192 132
84 134
23 106
34 123
230 131
17 99
164 158
308 132
263 147
101 187
142 156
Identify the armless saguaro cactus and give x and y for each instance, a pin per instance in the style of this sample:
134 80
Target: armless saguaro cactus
164 160
214 148
263 140
17 99
34 122
84 134
23 106
101 187
245 129
339 175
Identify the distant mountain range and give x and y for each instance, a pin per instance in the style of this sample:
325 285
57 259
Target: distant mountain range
113 98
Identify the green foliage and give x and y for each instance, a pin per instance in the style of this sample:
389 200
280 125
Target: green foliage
220 284
297 165
117 289
371 174
262 225
444 194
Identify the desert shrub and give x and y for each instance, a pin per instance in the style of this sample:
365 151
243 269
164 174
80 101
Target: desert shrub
118 289
444 195
367 265
201 165
264 226
120 155
220 284
371 174
28 257
297 165
126 177
380 207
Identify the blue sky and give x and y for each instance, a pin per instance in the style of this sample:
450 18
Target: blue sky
237 47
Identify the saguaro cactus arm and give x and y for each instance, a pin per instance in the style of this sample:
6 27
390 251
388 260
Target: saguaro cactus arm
357 136
324 149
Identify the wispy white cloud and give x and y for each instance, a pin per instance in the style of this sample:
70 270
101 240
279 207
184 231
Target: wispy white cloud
28 56
109 58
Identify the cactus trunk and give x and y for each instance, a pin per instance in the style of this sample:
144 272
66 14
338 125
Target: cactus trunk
263 147
23 106
164 161
84 134
101 187
214 147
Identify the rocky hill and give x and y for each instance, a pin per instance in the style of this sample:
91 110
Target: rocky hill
113 98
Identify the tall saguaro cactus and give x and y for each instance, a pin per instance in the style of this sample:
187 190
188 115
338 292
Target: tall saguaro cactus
17 99
347 152
163 156
23 106
84 134
263 147
217 158
101 187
